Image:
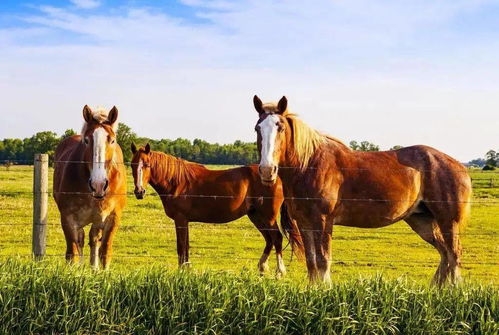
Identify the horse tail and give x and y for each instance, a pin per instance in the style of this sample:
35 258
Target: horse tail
292 233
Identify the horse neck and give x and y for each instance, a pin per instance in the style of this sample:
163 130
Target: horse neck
170 174
291 158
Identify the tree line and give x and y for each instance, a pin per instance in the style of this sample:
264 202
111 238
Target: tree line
238 153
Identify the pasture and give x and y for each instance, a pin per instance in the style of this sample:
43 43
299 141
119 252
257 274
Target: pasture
147 237
380 277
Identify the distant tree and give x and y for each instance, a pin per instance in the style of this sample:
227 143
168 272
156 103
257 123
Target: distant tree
491 158
68 133
43 142
363 146
396 147
125 136
480 162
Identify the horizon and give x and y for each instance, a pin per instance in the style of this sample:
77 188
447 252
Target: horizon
392 74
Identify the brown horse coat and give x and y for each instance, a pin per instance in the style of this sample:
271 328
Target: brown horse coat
334 185
191 192
77 197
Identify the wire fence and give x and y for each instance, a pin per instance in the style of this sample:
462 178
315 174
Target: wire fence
465 170
477 183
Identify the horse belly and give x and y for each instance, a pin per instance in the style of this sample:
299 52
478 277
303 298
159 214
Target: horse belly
221 210
382 208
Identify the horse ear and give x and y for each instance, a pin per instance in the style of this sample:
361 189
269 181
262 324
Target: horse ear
113 115
134 148
87 113
147 149
282 105
258 104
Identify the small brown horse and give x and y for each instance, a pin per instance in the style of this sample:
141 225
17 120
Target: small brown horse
333 185
90 186
191 192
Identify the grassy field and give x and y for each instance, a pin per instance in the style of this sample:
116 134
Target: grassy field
380 278
147 237
76 300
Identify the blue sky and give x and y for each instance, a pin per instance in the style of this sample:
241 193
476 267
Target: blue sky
391 72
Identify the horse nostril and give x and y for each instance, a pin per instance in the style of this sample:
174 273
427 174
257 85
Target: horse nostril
274 169
106 184
90 185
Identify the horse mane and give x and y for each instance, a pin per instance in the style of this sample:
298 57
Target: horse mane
307 140
172 169
99 115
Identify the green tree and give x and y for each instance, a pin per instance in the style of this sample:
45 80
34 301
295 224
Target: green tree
491 158
363 146
396 147
125 137
68 133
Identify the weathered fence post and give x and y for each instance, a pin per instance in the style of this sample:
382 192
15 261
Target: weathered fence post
40 205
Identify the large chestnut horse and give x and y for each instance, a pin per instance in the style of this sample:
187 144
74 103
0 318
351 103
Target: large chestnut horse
329 184
90 186
191 192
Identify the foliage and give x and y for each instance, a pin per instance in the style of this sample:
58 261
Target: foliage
480 162
125 137
363 146
396 147
68 133
491 158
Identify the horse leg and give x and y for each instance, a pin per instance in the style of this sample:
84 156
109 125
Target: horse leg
111 225
277 241
81 244
95 237
265 231
310 252
322 241
452 242
182 231
427 228
71 235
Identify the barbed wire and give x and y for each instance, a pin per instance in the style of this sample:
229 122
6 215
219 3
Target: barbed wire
239 165
221 227
257 197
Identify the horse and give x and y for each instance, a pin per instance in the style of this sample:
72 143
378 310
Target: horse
191 192
90 186
327 184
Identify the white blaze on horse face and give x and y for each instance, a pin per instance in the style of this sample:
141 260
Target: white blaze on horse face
99 174
139 174
268 131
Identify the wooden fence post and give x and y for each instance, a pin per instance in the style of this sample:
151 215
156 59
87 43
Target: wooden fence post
40 205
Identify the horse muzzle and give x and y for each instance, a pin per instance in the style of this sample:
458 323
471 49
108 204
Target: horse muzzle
98 189
268 174
139 193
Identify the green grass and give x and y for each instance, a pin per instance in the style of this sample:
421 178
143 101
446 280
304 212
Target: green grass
146 237
47 297
380 277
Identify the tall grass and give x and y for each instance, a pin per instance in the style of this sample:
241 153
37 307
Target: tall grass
50 297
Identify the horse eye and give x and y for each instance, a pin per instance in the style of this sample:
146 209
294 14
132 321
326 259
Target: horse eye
112 141
85 140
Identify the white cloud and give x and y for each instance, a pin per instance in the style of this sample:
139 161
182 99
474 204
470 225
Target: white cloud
86 4
388 73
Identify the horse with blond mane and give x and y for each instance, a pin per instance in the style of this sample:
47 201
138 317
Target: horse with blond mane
90 186
327 184
191 192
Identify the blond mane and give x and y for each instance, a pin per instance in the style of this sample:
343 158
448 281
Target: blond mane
306 140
